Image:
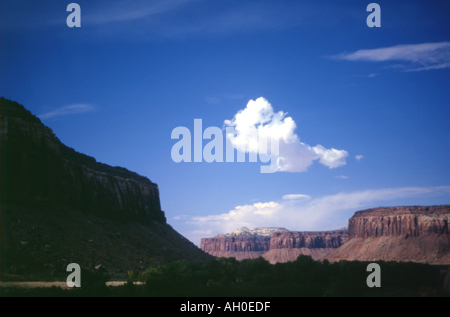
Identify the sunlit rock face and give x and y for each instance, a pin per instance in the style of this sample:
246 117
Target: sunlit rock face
246 232
416 233
396 221
274 244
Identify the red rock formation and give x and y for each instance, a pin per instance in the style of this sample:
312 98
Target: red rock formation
287 246
419 234
310 240
282 246
397 221
289 255
237 247
236 244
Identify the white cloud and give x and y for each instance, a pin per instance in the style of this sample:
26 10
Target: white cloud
258 121
296 197
342 176
241 216
77 108
359 157
322 213
423 56
332 158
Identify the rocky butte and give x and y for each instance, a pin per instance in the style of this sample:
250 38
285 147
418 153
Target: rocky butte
274 244
241 244
417 233
59 206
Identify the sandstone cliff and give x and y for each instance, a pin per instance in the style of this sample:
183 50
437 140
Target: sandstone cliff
419 234
310 240
287 246
274 244
59 206
400 221
241 244
39 170
237 247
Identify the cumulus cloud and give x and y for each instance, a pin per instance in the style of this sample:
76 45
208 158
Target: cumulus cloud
359 157
421 57
322 213
241 216
77 108
258 122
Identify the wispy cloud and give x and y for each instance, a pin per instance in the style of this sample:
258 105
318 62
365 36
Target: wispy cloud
425 56
342 177
258 122
359 157
126 11
322 213
181 18
144 19
67 110
296 197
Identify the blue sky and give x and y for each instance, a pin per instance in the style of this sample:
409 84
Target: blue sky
117 86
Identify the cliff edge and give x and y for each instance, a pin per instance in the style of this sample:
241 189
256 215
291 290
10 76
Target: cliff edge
416 233
39 170
274 244
59 206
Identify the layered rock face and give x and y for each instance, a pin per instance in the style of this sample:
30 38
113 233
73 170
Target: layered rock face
398 221
234 244
241 244
287 246
274 244
59 206
39 170
238 247
419 234
310 240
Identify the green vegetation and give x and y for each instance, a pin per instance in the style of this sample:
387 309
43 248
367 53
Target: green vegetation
229 277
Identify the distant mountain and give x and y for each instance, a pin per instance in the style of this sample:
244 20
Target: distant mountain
59 206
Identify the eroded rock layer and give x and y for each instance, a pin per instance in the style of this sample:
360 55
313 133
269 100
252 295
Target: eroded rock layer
418 233
39 170
59 206
396 221
310 240
274 244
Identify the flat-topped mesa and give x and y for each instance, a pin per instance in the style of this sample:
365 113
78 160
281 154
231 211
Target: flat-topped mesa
246 232
235 244
400 221
241 244
417 233
310 240
38 169
274 244
240 240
